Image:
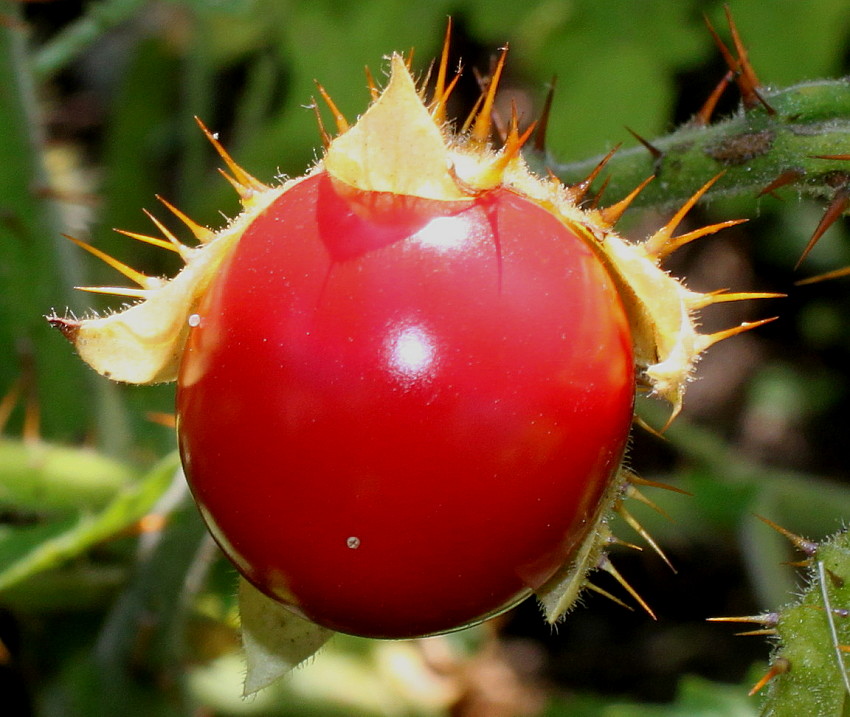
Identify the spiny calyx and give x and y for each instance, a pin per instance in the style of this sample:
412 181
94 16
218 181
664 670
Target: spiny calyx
402 146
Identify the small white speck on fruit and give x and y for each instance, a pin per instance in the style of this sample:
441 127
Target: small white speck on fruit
194 320
353 542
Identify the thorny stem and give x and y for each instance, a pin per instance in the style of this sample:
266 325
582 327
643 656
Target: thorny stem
752 149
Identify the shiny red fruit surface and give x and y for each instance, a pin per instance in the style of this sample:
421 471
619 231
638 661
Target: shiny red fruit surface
397 414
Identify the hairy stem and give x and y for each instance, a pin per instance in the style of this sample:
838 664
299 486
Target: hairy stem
752 148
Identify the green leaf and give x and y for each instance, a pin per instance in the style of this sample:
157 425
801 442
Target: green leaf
30 550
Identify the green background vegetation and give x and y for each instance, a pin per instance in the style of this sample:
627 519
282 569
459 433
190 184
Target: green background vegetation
97 101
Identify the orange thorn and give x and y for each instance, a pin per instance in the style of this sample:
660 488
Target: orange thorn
146 282
155 241
441 95
606 565
483 122
374 92
242 177
539 143
779 667
612 214
748 81
833 212
768 619
720 297
578 191
202 234
180 248
594 202
656 243
789 176
339 118
323 133
408 61
678 242
116 291
808 547
703 117
656 153
706 340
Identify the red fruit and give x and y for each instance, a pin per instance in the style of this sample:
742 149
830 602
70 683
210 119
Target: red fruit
399 414
405 380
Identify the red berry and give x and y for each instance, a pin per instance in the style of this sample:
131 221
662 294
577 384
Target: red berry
399 414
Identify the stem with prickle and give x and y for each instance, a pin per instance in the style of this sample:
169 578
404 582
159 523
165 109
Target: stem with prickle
756 150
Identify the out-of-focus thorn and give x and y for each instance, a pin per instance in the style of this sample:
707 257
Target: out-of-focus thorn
606 565
657 244
611 215
9 401
650 429
577 192
374 92
780 666
169 420
703 341
808 547
789 176
606 594
703 117
640 530
539 142
833 212
339 118
834 274
656 153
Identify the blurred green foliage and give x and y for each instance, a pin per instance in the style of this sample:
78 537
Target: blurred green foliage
97 101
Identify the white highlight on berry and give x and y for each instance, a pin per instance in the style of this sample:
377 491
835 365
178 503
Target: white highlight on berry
443 234
194 320
412 352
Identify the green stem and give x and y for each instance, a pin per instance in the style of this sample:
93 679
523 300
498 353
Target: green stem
81 34
752 149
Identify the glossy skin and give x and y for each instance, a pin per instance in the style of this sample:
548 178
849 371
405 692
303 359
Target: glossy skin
399 414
